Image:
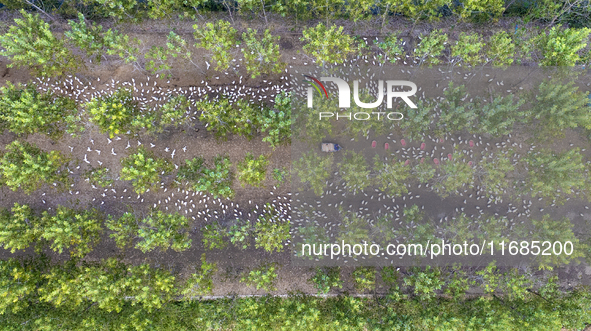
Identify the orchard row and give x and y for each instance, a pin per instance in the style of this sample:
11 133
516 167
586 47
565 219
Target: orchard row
357 10
84 296
80 230
31 43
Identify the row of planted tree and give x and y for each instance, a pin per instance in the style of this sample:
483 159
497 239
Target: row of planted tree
475 10
79 230
53 55
72 295
544 174
414 225
544 112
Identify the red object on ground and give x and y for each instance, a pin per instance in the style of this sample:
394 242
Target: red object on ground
386 146
449 156
436 161
403 142
423 145
441 140
406 162
422 159
374 144
470 163
471 143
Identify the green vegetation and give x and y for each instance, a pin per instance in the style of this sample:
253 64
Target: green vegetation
30 43
551 175
327 45
19 227
262 277
271 231
251 170
144 169
27 167
115 113
201 282
155 230
100 176
24 110
326 278
354 171
220 38
391 177
431 47
216 180
314 170
261 55
364 278
468 49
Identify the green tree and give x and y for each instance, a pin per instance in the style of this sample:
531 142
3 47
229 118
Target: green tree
468 48
276 122
252 171
172 112
24 110
354 171
425 284
76 230
364 278
552 230
19 280
120 10
326 278
550 173
418 120
481 9
26 166
456 174
213 236
31 43
431 47
220 38
497 117
115 113
500 49
144 169
457 114
562 46
240 233
149 287
216 180
494 175
416 225
19 227
262 277
418 10
391 48
127 49
558 107
155 230
261 55
314 170
225 118
201 282
327 45
158 61
124 229
391 177
165 231
88 38
271 230
423 172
